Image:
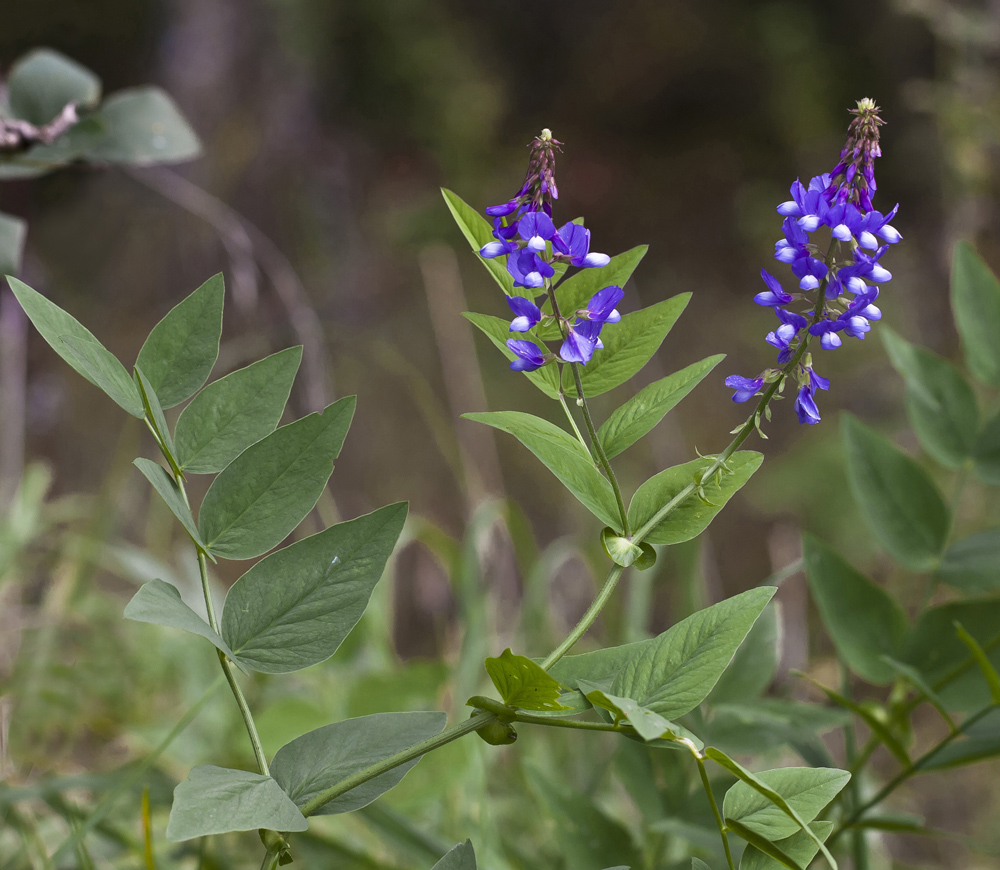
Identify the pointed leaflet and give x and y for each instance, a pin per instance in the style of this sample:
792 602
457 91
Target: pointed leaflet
143 127
523 684
561 454
478 231
645 409
797 850
628 346
900 502
164 484
576 291
864 622
498 331
160 603
975 297
234 412
691 516
648 725
180 352
43 81
461 857
154 413
807 790
270 487
216 800
973 564
316 761
939 401
294 608
986 453
755 663
102 368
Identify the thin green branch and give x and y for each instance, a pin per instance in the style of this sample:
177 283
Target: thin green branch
580 629
715 810
572 420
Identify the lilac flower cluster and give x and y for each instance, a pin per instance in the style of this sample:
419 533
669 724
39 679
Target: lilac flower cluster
524 233
845 288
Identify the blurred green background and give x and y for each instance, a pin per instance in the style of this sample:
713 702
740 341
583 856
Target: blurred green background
328 128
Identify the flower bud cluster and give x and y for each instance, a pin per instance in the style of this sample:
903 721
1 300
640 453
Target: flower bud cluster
839 291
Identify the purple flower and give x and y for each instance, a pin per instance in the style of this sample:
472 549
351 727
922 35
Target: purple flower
805 407
503 209
526 313
583 339
536 228
745 388
774 295
572 241
497 249
601 308
827 331
528 269
529 355
791 325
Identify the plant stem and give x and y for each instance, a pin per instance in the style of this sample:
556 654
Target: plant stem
572 420
859 845
504 712
467 726
715 811
596 606
599 450
270 861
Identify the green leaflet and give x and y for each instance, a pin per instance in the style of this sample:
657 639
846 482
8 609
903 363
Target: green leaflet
863 620
975 297
798 850
103 369
939 401
644 410
628 346
561 454
143 127
649 726
320 759
692 516
973 564
497 330
154 413
523 684
216 800
43 81
270 487
168 490
900 502
981 741
575 292
755 663
460 857
234 412
478 232
160 603
986 453
179 353
294 608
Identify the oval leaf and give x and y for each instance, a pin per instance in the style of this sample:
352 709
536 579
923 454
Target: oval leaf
975 297
461 857
797 850
160 603
143 127
986 453
498 331
164 484
43 81
900 502
103 369
973 564
478 231
294 608
576 291
523 684
270 487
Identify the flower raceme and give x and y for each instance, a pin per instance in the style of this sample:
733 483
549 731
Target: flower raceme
838 287
525 234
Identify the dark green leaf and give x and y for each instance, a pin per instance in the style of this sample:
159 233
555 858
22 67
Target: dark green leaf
270 487
164 484
497 330
755 663
55 324
973 564
628 346
478 231
939 401
644 410
461 857
523 684
12 233
692 515
777 803
43 81
234 412
160 603
797 850
143 127
575 292
899 501
561 454
102 368
180 352
216 800
985 666
987 453
294 608
864 622
698 864
649 726
322 758
154 413
975 297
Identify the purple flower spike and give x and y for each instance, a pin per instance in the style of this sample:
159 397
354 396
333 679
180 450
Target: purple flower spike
601 308
536 228
583 339
774 295
529 355
526 313
503 209
745 387
805 407
496 249
572 241
528 269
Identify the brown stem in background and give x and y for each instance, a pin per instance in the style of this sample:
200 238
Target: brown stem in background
13 392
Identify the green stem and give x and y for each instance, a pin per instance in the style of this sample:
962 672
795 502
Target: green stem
572 421
270 861
474 723
596 606
715 811
859 845
504 712
602 457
